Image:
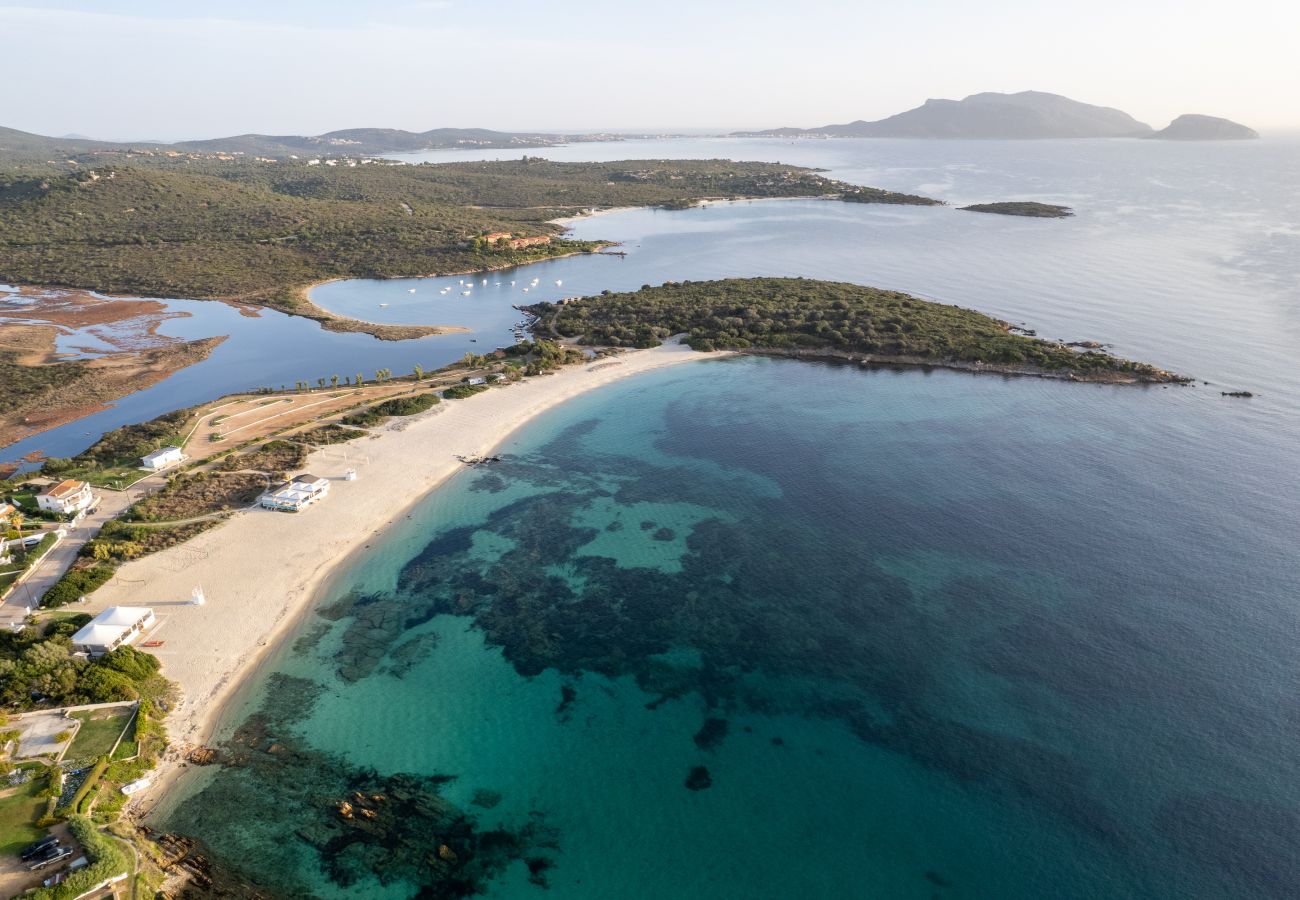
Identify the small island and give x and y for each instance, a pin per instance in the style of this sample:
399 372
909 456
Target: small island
1194 127
1026 208
806 318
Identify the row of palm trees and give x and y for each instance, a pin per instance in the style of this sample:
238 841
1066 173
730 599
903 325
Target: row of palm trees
381 376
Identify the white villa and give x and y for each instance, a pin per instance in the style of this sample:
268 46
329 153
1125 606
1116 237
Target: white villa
112 628
296 495
66 497
161 459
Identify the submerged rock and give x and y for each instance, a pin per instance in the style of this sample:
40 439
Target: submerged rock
699 779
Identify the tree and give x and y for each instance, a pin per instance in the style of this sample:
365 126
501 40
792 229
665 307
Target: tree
16 520
359 381
418 372
63 737
334 381
321 382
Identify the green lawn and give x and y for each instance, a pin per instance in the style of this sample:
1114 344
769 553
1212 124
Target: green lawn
99 731
18 814
114 477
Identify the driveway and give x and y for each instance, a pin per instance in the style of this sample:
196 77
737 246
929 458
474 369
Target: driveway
19 604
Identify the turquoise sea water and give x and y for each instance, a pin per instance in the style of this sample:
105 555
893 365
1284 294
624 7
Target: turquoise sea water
930 635
904 634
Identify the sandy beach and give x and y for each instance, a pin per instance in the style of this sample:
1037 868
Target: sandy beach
261 569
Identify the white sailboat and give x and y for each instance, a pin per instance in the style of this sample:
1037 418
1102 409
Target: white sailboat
558 282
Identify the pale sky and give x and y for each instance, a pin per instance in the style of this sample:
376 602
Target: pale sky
174 69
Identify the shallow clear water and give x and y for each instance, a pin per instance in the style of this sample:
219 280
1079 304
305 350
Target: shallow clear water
970 637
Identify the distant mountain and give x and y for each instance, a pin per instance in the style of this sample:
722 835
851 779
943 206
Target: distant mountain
371 140
1193 127
1028 114
352 141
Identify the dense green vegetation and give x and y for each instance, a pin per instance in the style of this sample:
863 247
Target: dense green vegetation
125 446
1022 208
397 406
37 669
22 383
462 391
262 231
796 314
75 583
856 194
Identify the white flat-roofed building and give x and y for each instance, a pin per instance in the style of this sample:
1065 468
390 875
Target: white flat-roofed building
296 495
114 627
161 459
66 497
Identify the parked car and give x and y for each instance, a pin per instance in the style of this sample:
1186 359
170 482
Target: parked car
32 851
60 853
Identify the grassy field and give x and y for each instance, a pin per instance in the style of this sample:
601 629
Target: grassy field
20 807
98 733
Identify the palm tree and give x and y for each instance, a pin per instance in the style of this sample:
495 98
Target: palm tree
334 381
321 382
16 519
359 381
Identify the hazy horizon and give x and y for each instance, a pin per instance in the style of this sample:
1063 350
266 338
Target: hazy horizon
148 69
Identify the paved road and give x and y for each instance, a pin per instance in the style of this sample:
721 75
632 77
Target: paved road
26 596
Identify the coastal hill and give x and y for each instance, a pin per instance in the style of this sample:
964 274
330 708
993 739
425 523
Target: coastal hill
263 232
1193 127
354 141
1025 115
822 319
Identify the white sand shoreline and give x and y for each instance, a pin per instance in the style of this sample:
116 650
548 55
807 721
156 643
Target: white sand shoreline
261 570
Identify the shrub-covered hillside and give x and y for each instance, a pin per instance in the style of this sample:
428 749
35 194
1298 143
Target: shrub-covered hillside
799 314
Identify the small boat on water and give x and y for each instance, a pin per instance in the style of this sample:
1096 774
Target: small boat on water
464 293
512 284
411 291
558 282
382 305
525 290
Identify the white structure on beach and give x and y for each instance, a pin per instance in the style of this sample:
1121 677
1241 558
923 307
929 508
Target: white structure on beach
296 495
161 459
112 628
66 497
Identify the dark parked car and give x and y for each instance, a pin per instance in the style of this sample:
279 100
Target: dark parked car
44 860
34 850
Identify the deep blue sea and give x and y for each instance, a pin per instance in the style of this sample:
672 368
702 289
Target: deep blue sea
761 628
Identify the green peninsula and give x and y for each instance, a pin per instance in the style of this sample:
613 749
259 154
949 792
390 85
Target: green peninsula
808 318
1022 208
